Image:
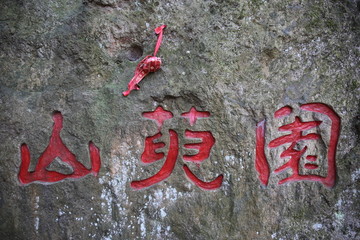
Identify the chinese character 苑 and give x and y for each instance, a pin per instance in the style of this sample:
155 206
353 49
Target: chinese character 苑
204 144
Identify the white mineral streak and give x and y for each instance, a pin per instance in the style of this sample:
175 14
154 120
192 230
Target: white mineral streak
37 199
124 168
355 175
230 159
338 215
141 222
116 182
162 213
61 213
106 195
339 203
317 226
37 219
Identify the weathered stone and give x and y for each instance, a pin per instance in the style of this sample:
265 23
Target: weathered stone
238 60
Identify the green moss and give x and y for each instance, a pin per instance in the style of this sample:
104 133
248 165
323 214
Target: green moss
315 17
319 17
256 3
354 85
331 24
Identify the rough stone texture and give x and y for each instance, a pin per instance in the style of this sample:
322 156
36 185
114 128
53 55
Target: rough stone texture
239 60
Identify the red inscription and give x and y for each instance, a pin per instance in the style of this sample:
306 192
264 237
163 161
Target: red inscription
297 127
215 184
166 169
261 164
159 115
205 142
147 65
294 155
282 112
150 155
203 147
56 149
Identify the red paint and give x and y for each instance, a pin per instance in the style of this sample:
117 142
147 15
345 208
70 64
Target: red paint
330 179
215 184
297 127
56 149
193 115
203 147
166 169
282 112
292 154
205 142
261 163
159 115
150 155
311 166
311 158
159 31
147 65
293 163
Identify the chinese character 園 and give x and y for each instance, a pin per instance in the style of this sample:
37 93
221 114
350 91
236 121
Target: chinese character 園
296 134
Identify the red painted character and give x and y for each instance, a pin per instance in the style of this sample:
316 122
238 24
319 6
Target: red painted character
147 65
152 144
294 155
56 149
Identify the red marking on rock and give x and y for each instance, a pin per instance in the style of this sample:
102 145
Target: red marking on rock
261 163
282 112
159 115
147 65
311 158
329 180
193 115
166 169
296 128
311 166
215 184
294 155
204 147
150 155
56 149
95 158
204 143
159 31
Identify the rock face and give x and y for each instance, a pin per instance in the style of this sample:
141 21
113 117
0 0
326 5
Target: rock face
236 61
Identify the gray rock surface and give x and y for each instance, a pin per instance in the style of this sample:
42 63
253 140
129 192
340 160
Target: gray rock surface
239 60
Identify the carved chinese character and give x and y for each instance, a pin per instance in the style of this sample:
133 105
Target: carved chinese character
56 150
152 145
298 161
